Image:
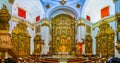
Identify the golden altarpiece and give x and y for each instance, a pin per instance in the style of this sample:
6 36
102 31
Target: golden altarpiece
63 34
21 39
88 45
105 40
5 37
118 31
38 42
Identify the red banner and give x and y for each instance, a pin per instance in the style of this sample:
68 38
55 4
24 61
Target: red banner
21 13
37 18
88 18
105 12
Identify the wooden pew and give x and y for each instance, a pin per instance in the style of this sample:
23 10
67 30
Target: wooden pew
75 60
50 60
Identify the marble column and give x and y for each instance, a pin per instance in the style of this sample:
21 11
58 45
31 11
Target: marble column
45 33
46 46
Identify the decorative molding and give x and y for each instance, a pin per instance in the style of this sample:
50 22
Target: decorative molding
21 40
62 2
45 22
13 18
109 19
80 22
4 19
78 5
47 6
11 1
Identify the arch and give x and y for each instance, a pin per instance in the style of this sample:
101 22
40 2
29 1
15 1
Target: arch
64 8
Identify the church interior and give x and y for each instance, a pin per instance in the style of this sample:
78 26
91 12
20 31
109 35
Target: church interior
59 31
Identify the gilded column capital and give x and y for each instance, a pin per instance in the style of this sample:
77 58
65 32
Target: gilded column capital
46 22
16 19
80 22
109 19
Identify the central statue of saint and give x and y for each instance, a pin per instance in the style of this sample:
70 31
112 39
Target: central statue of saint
63 46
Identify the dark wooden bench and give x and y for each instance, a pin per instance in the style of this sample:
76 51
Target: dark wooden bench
50 60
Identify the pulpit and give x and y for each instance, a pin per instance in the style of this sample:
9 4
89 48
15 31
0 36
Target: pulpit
5 37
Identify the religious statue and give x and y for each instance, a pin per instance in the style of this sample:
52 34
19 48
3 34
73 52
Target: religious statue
62 46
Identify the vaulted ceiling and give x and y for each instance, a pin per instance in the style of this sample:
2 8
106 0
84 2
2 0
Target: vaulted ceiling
51 8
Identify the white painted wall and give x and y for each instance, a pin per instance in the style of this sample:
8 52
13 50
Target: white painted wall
94 34
92 8
46 37
114 27
81 33
12 26
32 34
33 9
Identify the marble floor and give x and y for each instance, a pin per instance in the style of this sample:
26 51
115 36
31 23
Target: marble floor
63 60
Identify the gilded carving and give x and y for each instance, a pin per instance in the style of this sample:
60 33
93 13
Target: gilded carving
37 29
21 39
63 34
4 19
37 45
45 22
105 40
11 1
5 38
88 45
88 29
